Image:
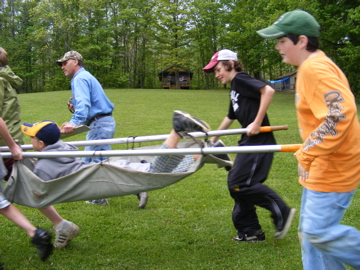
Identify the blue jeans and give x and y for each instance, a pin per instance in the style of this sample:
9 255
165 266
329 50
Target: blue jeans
103 128
325 243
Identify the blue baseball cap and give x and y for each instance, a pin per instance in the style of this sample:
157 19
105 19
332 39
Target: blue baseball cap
46 131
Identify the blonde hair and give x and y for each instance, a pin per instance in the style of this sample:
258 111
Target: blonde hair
4 60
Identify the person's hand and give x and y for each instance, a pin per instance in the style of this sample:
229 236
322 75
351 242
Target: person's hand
302 173
16 152
67 128
70 105
253 129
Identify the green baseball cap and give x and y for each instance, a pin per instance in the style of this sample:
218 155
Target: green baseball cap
297 22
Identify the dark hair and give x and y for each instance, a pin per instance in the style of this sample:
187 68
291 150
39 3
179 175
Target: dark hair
313 42
4 59
237 65
80 63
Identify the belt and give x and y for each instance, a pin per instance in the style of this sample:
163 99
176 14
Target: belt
98 117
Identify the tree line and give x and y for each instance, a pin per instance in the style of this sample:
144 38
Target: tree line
126 43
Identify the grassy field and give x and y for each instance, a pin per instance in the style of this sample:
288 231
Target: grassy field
184 226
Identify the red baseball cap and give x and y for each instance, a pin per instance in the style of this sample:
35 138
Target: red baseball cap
219 56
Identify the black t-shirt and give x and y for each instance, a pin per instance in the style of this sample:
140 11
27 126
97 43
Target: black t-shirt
244 105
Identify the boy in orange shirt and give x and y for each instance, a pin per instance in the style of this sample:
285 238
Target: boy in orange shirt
329 158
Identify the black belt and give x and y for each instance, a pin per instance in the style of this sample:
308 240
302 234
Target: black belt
98 117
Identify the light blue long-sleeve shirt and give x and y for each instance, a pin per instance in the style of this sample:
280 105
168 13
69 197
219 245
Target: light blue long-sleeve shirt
89 98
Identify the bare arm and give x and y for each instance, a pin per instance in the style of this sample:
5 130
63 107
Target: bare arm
16 150
225 124
267 93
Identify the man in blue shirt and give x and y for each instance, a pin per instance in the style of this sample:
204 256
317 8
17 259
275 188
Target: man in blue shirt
90 103
91 107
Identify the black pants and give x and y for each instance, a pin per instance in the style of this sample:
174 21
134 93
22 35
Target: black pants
246 187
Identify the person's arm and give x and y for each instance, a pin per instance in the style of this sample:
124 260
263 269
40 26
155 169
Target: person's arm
15 150
326 113
225 124
267 93
81 97
81 92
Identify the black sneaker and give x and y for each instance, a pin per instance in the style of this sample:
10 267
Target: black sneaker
281 233
226 157
42 241
259 236
184 123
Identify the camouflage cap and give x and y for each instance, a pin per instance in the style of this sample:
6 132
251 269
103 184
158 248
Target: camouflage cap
70 55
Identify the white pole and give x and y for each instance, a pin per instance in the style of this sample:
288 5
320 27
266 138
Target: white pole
160 152
153 138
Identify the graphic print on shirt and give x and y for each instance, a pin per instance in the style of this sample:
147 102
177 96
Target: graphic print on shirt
234 97
334 116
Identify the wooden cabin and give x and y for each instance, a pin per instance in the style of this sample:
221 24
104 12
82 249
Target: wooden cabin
175 77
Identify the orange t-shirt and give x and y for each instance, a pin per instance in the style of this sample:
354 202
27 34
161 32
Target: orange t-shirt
328 125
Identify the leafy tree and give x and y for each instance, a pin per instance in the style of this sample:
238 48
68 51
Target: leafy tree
126 43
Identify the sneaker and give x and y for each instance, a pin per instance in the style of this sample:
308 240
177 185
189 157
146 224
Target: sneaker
281 234
65 232
184 123
143 198
42 241
99 202
259 236
225 157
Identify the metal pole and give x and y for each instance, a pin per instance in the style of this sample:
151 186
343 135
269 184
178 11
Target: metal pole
165 152
153 138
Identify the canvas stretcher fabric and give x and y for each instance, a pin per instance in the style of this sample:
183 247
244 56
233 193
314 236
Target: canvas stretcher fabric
100 180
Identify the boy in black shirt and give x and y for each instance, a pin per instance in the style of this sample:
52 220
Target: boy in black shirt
249 100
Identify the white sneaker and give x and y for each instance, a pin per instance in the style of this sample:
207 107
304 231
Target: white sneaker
65 232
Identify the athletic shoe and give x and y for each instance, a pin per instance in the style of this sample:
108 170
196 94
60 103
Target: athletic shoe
281 234
219 143
259 236
65 232
99 202
143 198
225 157
184 123
42 241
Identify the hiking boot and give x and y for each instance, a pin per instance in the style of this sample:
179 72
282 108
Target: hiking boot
259 236
65 232
225 157
143 198
99 202
184 123
281 233
42 241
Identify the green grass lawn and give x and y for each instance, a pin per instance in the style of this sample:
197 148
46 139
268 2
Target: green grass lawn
184 226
